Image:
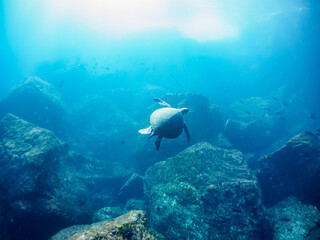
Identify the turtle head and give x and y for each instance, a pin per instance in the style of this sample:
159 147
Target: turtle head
184 110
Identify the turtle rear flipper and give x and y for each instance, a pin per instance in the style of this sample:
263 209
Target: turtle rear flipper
152 134
147 130
161 102
158 141
186 131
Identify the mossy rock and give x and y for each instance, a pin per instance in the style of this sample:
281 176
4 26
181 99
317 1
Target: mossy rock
205 192
132 225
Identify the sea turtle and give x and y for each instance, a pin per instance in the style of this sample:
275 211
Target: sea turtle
166 122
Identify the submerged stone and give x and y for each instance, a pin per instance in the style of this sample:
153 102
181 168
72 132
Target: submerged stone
132 225
102 130
133 188
107 213
45 186
221 141
205 192
38 102
135 204
292 170
251 119
293 220
68 232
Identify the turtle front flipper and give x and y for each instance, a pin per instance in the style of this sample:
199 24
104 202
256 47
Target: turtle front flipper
158 141
161 102
186 131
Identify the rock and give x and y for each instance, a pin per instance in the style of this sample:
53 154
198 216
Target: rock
292 220
3 223
204 121
43 182
295 106
221 141
243 136
253 108
68 232
107 213
37 102
252 161
102 130
292 170
25 150
252 119
132 225
205 192
135 204
133 188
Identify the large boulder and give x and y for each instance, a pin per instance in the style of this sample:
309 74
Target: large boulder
107 213
132 225
45 186
205 192
293 220
132 189
38 102
102 130
204 122
251 119
292 170
295 107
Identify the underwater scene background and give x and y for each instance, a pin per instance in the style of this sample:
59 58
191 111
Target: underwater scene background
78 79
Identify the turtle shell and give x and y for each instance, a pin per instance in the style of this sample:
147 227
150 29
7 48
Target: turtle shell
167 122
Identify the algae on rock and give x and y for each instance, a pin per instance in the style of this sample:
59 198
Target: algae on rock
132 225
294 220
43 181
293 170
38 102
205 192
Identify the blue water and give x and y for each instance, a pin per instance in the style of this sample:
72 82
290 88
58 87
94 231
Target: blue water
238 50
276 44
